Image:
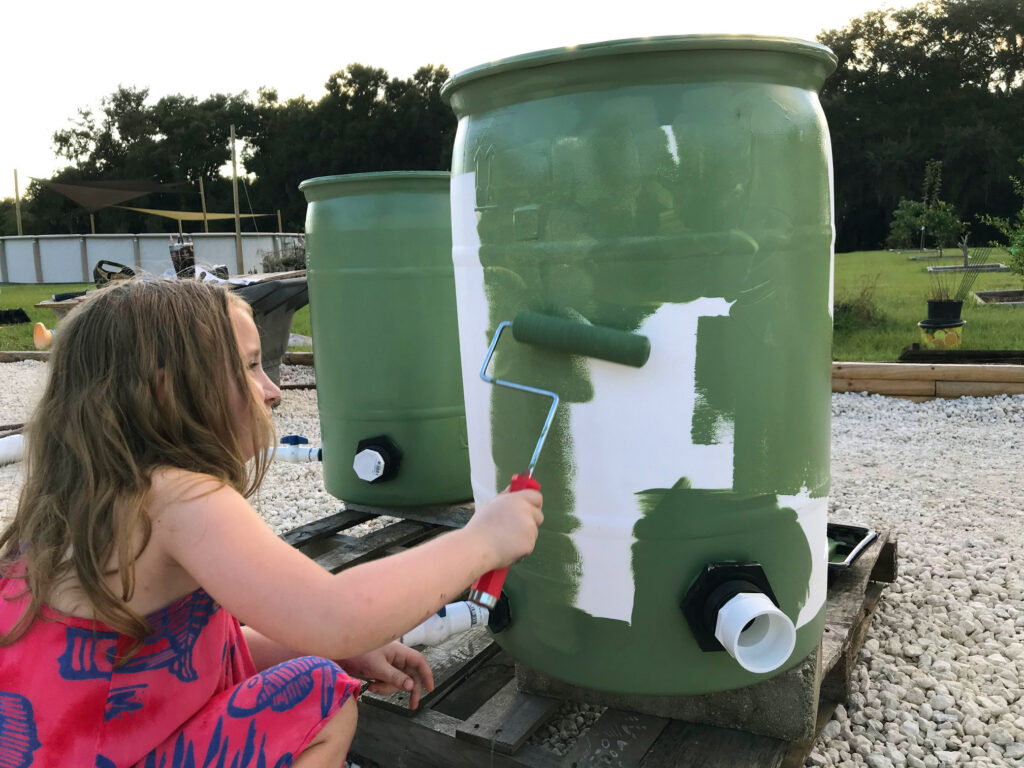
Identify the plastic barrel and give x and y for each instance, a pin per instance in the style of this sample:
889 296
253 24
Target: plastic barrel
679 188
385 338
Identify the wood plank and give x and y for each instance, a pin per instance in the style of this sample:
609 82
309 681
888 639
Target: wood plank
507 719
451 515
918 387
349 551
325 526
705 746
617 740
887 566
977 388
835 685
18 356
298 358
427 741
782 707
797 751
477 689
929 372
451 662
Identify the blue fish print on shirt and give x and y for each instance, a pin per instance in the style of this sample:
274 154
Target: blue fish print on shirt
176 629
123 699
282 687
18 736
82 653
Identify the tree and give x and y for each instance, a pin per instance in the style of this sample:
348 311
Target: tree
366 121
1012 228
942 224
930 216
907 222
939 79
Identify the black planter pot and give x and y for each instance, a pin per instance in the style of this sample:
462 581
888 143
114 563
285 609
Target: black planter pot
944 310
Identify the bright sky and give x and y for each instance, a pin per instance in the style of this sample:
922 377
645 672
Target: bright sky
59 56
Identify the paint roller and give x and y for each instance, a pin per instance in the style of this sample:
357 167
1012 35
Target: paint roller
564 335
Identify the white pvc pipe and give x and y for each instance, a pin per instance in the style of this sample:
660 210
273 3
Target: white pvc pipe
755 632
450 620
298 454
12 449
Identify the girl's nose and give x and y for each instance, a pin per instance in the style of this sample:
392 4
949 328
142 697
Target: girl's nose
271 392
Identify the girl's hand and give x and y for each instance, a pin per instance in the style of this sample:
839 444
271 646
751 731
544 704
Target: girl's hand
507 525
391 668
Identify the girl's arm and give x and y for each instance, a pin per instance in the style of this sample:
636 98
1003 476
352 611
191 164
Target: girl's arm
228 550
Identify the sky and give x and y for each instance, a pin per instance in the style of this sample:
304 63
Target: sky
60 56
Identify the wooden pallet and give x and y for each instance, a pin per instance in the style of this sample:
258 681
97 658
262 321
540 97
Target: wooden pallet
476 716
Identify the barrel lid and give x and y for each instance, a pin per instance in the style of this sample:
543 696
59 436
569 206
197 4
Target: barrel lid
643 45
358 182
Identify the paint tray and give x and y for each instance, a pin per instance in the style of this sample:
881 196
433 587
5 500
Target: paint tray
845 545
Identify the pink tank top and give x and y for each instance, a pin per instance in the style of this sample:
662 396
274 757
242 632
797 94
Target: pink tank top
63 702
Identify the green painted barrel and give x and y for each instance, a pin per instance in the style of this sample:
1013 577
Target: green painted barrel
679 188
385 338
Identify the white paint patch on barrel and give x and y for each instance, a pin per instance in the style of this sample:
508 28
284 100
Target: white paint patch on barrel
636 435
473 342
812 514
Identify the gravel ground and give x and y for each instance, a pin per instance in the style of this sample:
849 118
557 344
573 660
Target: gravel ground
942 672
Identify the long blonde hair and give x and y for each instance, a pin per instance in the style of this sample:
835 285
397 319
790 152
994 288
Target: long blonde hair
139 378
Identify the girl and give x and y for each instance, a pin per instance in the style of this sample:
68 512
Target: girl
134 555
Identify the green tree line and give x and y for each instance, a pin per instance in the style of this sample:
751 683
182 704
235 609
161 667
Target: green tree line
365 122
937 81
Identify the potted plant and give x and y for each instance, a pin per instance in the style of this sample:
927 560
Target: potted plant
943 327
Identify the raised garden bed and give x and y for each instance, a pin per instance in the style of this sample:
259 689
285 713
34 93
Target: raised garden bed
1000 298
971 268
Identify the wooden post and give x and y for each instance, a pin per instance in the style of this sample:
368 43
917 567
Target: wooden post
17 202
92 223
37 259
238 219
83 252
279 229
202 198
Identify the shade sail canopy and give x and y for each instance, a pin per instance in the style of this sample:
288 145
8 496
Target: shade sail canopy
192 215
94 195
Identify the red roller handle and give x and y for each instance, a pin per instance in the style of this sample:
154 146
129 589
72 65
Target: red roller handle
487 589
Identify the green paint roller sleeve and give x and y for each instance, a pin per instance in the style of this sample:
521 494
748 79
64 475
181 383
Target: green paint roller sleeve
580 338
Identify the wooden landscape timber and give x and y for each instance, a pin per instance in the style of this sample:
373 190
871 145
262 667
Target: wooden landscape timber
911 381
927 381
479 716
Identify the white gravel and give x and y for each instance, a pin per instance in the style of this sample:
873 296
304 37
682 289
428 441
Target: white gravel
942 672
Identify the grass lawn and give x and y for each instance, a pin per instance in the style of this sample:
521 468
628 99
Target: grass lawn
887 293
896 289
14 295
19 337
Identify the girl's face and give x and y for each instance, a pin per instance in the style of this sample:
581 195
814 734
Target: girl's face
263 388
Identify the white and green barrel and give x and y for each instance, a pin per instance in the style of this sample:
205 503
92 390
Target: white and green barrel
677 188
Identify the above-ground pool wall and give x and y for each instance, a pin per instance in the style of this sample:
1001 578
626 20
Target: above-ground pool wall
71 258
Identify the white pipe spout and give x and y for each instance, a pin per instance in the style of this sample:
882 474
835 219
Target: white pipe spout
755 632
12 449
450 620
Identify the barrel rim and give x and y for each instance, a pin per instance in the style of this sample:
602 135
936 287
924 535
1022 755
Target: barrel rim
356 178
641 45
